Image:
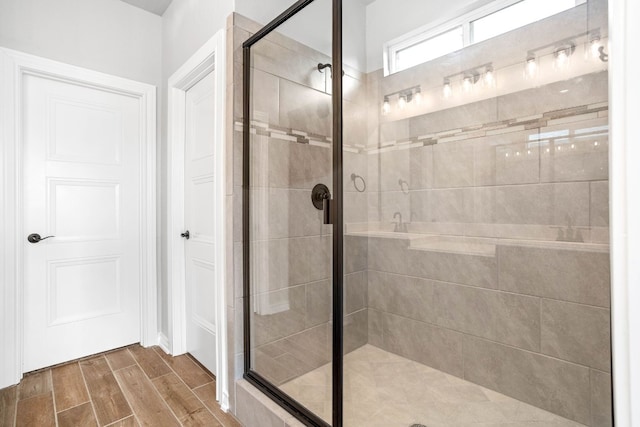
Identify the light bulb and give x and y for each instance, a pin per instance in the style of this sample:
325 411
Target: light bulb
418 96
446 89
402 101
489 78
386 106
593 49
467 84
531 68
561 58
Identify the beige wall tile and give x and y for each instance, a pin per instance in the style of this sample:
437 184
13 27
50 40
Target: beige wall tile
577 151
566 275
473 270
589 89
402 295
355 330
577 333
355 254
319 303
453 164
393 203
506 159
543 204
355 292
508 318
394 130
304 109
551 384
278 314
394 166
421 167
472 114
428 344
255 409
601 401
599 204
451 205
376 327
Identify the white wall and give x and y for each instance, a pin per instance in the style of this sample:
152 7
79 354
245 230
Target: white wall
186 26
103 35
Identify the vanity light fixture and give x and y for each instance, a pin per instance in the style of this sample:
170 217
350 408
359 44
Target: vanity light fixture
405 96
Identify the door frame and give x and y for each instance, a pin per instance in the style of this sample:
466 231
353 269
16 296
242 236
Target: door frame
624 174
210 58
14 66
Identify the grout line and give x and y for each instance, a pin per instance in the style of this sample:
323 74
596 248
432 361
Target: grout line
53 399
477 337
15 410
162 398
74 406
121 419
487 289
172 371
86 387
125 396
204 405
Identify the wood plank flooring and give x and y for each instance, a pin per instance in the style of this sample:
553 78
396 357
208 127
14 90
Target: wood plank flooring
128 387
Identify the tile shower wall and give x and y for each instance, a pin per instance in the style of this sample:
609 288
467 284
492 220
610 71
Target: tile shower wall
290 246
519 309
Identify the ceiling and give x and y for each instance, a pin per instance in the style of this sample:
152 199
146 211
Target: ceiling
154 6
159 6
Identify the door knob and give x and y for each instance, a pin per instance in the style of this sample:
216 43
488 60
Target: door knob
185 235
35 238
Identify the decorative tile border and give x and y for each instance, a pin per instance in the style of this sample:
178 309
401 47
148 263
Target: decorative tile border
549 118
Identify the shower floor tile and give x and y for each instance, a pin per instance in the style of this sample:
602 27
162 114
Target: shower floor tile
384 389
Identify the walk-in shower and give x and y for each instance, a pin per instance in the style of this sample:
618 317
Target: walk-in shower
453 266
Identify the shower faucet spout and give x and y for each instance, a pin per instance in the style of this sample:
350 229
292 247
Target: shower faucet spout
399 227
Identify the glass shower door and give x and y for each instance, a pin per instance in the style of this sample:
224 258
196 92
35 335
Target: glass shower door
288 184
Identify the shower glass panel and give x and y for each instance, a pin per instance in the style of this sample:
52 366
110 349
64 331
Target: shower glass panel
484 224
290 245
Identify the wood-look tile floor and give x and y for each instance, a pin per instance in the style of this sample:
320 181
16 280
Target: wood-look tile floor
132 386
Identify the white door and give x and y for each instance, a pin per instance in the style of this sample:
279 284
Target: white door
82 150
200 211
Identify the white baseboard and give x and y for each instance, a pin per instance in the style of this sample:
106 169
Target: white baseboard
163 342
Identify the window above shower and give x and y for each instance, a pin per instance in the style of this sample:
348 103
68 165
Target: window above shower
493 19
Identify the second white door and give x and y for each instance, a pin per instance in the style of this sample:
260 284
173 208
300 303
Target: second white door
200 215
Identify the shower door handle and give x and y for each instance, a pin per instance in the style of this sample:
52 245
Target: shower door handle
321 199
326 208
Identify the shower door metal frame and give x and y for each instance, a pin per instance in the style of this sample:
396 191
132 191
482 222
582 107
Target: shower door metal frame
253 377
